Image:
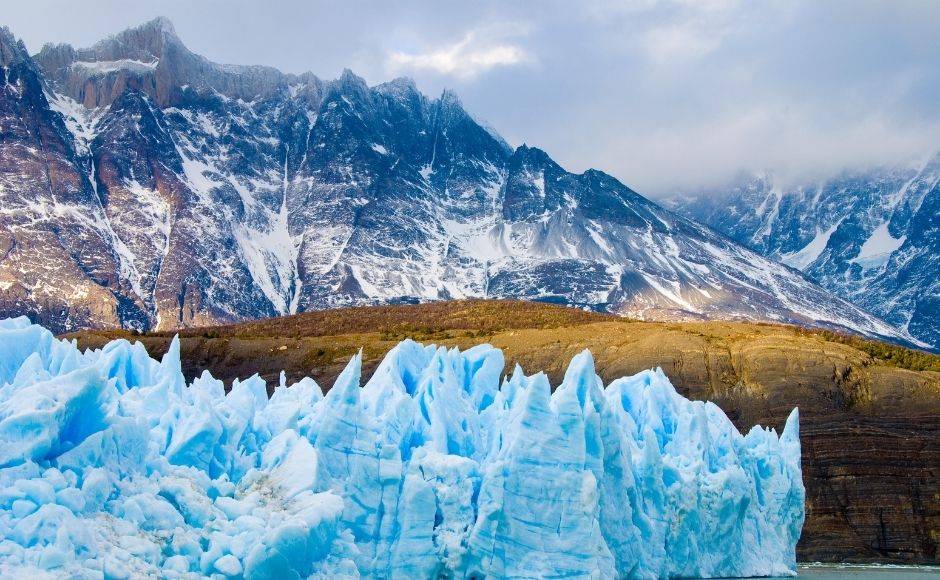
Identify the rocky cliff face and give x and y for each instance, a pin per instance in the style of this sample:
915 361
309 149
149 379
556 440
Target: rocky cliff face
872 238
194 193
56 247
150 59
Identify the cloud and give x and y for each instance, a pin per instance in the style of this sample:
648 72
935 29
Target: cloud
794 143
473 55
680 42
684 31
664 94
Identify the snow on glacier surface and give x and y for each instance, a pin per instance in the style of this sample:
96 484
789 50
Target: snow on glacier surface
110 465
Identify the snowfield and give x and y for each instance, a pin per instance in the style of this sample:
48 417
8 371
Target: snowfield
112 466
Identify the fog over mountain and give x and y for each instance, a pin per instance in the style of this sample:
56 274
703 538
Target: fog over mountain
871 237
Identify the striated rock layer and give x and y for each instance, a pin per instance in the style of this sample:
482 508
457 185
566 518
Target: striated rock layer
110 463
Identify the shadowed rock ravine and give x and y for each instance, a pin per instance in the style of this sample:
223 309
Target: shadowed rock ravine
870 429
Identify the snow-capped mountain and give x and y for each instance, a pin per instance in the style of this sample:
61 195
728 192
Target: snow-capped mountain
147 187
872 238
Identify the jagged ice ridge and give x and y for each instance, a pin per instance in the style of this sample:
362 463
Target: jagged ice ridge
437 467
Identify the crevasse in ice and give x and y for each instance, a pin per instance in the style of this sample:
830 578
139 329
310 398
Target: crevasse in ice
110 465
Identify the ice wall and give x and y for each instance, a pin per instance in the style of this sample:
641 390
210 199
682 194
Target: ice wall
437 467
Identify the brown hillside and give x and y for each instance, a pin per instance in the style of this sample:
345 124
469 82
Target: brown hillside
870 413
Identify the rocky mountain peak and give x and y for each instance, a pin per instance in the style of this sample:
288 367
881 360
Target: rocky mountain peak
451 110
525 155
151 39
349 78
350 85
450 98
12 51
451 105
404 84
152 58
147 43
402 89
163 24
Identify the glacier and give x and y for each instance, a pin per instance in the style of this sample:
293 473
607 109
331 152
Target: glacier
111 465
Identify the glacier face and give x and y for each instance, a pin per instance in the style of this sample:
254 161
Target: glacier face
110 464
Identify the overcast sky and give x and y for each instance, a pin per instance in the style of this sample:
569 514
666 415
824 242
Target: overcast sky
664 94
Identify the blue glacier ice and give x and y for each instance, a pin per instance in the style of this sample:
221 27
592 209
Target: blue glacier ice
112 466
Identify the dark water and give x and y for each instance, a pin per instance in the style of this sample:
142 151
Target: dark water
868 572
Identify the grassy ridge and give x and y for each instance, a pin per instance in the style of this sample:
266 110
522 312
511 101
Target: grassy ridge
537 335
891 354
477 318
409 320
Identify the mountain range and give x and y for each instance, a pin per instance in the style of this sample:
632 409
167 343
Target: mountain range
143 186
871 237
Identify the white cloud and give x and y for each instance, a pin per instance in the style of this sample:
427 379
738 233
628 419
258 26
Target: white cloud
688 31
681 42
685 31
798 145
664 94
473 55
